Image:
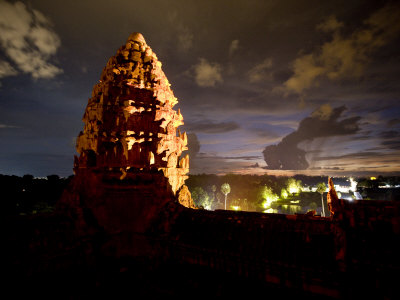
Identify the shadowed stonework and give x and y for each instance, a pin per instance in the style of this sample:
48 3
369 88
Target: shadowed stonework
129 164
129 120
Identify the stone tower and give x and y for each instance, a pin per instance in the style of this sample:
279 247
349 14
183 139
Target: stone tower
129 163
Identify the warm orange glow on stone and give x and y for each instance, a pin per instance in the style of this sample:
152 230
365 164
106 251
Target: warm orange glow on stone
132 102
332 198
129 165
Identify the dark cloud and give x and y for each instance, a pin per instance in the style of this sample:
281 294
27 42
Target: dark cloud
211 127
285 156
354 156
392 144
333 168
250 157
315 168
389 134
327 168
393 122
364 136
376 167
256 165
323 123
391 139
262 132
373 149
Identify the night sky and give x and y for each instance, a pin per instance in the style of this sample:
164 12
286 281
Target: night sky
277 87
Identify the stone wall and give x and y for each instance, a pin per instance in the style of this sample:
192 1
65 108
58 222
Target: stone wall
353 255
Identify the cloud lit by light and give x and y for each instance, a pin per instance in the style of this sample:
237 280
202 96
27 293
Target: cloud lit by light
234 46
184 35
261 71
345 55
6 69
28 40
207 74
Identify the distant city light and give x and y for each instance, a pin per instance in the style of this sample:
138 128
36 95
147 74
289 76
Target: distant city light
353 184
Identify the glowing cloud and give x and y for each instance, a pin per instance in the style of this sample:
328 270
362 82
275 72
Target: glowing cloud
345 55
6 69
234 46
183 33
261 71
207 74
28 41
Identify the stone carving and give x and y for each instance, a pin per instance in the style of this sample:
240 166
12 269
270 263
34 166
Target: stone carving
129 120
130 137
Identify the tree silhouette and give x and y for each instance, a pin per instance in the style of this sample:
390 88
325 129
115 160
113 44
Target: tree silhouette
213 190
201 198
321 188
225 189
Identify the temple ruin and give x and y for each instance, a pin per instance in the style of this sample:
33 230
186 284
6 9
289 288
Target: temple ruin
130 150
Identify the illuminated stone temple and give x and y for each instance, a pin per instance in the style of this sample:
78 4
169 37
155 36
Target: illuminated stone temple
130 150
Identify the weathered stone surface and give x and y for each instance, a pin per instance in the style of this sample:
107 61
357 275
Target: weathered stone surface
129 162
332 198
184 197
129 120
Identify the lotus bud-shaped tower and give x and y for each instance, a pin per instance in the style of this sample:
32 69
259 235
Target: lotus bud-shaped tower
130 149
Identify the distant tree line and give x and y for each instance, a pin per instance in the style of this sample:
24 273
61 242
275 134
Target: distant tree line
28 195
281 194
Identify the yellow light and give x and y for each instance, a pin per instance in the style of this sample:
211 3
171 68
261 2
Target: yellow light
373 178
270 211
236 207
295 201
